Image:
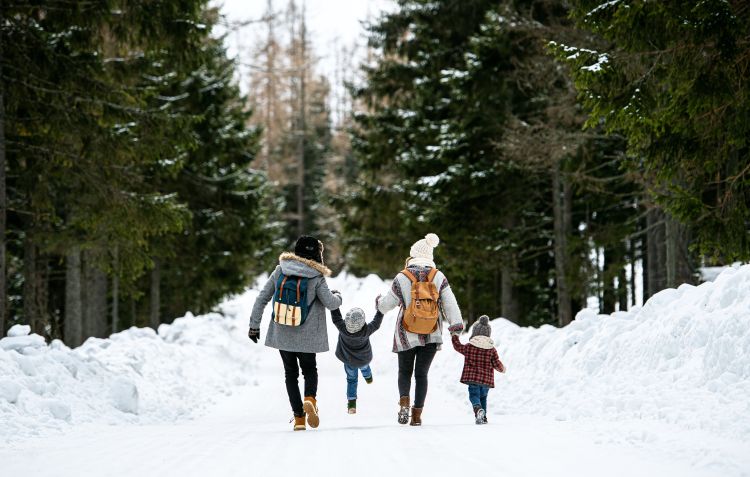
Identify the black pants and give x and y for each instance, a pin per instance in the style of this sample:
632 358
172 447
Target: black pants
415 361
291 373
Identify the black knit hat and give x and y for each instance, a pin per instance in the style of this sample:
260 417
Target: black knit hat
309 248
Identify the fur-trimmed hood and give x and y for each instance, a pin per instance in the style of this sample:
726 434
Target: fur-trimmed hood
484 342
292 264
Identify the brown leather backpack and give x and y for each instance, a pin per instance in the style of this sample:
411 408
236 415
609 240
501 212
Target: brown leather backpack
421 316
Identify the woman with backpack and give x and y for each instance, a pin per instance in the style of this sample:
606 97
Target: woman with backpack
297 329
425 301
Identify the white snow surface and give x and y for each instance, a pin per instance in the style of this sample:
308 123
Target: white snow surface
659 390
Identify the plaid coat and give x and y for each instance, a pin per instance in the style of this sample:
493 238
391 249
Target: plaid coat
480 360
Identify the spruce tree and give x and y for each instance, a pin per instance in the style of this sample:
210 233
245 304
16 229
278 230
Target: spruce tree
227 241
672 78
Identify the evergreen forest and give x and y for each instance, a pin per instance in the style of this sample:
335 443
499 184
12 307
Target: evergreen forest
569 154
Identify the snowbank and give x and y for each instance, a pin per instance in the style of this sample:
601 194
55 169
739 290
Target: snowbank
136 376
683 358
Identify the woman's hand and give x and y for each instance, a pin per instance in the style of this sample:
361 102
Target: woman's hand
254 335
456 329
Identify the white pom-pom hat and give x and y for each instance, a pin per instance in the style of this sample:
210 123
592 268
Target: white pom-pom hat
422 249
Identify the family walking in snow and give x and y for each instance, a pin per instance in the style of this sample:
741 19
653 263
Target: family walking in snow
426 304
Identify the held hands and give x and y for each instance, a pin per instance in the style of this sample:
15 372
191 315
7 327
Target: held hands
336 292
254 335
456 329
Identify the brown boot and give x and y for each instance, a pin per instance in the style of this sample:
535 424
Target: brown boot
403 412
299 423
311 409
416 416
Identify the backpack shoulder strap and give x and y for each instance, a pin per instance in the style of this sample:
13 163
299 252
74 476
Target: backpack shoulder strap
409 275
431 275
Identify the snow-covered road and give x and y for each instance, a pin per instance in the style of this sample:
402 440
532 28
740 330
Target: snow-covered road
248 433
658 392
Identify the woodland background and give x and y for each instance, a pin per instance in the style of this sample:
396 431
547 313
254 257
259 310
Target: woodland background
568 153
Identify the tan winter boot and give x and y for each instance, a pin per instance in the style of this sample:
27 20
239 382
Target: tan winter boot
311 409
299 423
416 416
403 412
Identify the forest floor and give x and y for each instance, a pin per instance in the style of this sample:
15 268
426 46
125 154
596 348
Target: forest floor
244 428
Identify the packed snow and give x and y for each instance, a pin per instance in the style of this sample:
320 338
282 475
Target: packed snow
658 390
136 376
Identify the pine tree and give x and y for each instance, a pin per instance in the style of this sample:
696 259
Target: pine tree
672 78
471 129
226 242
105 105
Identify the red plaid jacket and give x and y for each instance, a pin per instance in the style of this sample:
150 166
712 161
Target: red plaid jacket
479 363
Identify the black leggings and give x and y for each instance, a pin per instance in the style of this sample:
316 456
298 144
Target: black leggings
291 373
415 361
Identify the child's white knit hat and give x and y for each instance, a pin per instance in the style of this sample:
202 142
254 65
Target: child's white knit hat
354 320
423 248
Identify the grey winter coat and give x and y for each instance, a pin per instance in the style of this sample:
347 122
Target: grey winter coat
310 337
354 348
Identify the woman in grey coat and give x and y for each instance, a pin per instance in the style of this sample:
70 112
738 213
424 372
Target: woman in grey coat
299 344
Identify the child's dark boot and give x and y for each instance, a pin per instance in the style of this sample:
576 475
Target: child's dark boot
479 415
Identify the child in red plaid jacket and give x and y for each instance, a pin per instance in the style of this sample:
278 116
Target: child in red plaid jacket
480 361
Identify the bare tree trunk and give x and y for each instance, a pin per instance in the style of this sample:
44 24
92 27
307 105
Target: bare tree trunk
507 297
470 301
73 306
155 297
645 265
670 240
270 124
633 258
679 269
99 304
116 291
34 288
94 297
133 313
302 70
497 303
622 289
656 250
3 192
561 198
600 275
608 281
508 265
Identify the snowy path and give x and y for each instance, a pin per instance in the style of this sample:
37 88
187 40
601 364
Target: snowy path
249 434
655 392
